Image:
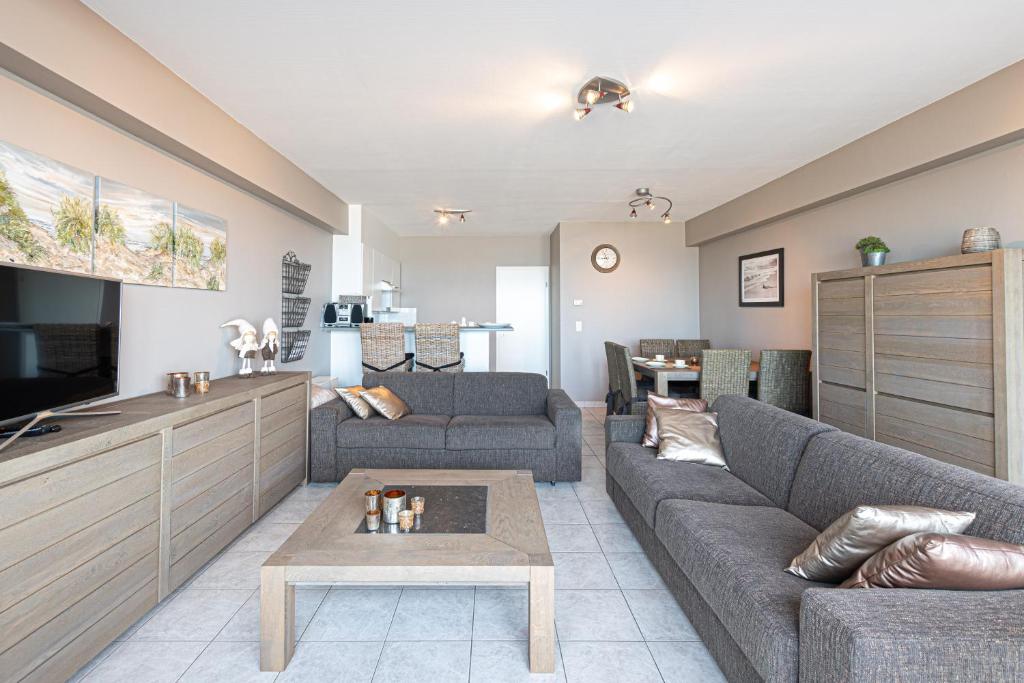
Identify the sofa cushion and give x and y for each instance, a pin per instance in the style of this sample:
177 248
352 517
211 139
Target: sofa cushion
648 480
735 555
763 444
495 432
424 393
411 431
840 471
500 393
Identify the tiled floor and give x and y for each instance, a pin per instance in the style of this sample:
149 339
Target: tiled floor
614 618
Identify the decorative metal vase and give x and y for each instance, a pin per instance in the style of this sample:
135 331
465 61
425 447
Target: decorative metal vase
872 258
980 239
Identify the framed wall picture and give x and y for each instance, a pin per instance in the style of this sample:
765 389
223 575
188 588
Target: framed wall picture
762 279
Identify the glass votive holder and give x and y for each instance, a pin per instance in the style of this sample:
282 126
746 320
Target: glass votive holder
392 502
202 381
405 520
372 498
179 384
416 504
372 520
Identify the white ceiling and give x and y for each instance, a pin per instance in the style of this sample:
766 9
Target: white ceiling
412 105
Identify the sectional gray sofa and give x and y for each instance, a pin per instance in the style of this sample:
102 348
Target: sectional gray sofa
721 540
470 420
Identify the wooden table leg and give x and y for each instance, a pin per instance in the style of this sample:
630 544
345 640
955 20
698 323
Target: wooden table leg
542 619
661 383
277 619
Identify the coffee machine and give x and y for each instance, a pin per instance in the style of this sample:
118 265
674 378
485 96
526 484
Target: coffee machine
350 310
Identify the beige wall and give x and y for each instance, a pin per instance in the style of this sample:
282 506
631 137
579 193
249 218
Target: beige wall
165 329
653 293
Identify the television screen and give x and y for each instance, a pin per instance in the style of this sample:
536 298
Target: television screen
58 340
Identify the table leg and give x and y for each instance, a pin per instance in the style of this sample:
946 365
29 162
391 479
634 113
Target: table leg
542 619
661 383
277 619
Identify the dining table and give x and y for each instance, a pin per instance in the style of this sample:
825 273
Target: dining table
672 373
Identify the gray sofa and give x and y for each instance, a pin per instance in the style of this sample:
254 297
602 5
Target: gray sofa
470 420
721 540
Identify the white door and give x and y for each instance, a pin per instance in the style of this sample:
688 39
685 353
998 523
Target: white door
522 300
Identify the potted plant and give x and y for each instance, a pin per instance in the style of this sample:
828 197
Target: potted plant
872 251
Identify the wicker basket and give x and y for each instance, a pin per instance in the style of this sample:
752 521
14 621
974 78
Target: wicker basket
294 274
979 239
293 345
293 310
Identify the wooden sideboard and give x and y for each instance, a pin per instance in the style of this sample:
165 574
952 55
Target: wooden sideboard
102 520
928 356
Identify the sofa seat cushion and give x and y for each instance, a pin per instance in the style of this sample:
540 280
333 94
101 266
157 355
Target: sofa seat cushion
495 432
648 481
411 431
735 555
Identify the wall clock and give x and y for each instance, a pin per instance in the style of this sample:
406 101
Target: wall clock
605 258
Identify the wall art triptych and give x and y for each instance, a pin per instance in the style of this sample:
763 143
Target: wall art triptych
55 216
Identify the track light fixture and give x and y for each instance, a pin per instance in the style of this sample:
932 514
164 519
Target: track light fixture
601 90
645 198
445 215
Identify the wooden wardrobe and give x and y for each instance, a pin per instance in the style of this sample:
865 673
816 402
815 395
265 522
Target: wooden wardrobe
927 355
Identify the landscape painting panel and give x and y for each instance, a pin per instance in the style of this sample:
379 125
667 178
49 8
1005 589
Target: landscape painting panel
46 211
200 250
760 276
135 238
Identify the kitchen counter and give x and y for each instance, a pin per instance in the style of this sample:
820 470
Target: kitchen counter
409 329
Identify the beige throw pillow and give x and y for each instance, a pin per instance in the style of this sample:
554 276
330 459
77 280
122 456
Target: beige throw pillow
319 395
685 436
359 406
863 531
384 401
656 403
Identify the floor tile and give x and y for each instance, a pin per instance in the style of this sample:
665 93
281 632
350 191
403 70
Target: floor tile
591 490
685 663
608 663
590 462
94 662
508 662
292 510
150 662
564 511
430 661
601 512
616 538
228 663
332 662
591 615
245 625
264 536
501 614
583 570
355 614
659 616
562 490
133 629
312 492
433 614
634 571
233 570
571 538
193 615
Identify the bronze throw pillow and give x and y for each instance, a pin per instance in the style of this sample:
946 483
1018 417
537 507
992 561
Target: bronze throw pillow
351 396
865 530
689 437
384 401
943 562
656 403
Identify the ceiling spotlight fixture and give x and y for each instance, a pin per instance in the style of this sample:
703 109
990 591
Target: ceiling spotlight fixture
462 217
645 198
445 215
601 90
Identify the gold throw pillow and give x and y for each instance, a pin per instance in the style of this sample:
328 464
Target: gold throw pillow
656 403
863 531
350 395
319 395
384 401
943 562
689 437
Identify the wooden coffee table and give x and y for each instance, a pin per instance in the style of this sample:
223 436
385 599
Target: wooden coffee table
507 546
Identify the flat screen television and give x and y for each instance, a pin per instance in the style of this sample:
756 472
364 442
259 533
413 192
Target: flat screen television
59 336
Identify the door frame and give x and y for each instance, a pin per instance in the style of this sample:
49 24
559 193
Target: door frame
545 314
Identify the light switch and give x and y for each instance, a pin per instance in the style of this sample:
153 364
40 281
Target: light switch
577 302
579 325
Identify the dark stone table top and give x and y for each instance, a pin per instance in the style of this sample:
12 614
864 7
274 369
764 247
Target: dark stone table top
446 510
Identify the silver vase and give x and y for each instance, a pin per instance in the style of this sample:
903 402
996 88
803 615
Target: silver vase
980 239
872 258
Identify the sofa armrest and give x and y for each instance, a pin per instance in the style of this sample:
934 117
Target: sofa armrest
874 634
623 429
323 439
567 418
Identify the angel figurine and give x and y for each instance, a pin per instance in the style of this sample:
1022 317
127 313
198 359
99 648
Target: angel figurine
269 346
245 344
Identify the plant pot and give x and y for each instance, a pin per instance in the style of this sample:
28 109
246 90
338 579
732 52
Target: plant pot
872 258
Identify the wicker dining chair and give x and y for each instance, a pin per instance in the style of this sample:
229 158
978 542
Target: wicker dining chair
649 348
437 348
383 346
688 348
724 372
629 399
784 380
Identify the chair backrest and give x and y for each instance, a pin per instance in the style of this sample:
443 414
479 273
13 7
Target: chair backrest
383 347
688 348
627 396
430 393
614 377
652 347
437 347
724 372
784 380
